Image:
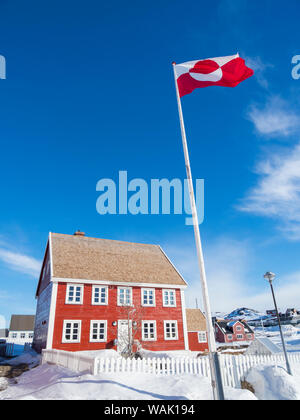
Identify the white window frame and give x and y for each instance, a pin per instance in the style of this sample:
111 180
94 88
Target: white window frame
168 305
22 335
249 336
71 321
239 336
146 290
143 333
98 340
14 335
172 321
81 286
93 295
124 304
230 336
202 337
239 328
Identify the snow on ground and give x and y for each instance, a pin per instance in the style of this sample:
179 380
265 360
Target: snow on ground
31 358
50 382
274 383
291 336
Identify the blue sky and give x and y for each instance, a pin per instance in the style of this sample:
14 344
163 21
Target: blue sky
90 92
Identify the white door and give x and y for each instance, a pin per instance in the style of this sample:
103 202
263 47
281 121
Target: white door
123 335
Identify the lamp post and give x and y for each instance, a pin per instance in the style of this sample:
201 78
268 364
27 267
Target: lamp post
270 277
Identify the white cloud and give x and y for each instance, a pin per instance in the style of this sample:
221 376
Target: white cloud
20 262
277 193
259 66
276 118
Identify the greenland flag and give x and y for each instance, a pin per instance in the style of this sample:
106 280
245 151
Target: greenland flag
220 71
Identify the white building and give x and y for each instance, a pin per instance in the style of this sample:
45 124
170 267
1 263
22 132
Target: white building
21 329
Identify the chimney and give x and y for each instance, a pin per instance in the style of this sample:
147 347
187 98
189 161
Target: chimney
79 233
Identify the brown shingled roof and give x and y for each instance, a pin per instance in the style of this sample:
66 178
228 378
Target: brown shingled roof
81 257
22 323
195 320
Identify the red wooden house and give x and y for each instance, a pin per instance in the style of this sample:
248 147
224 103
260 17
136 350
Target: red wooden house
196 326
85 283
229 331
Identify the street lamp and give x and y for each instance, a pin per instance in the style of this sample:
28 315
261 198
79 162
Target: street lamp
270 277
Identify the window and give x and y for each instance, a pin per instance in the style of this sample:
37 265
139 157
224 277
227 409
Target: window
98 331
169 298
229 336
14 335
170 329
99 295
249 336
148 297
124 296
239 328
30 335
202 337
23 335
74 294
149 330
239 336
71 332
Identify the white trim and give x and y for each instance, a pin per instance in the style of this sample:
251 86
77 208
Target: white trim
81 294
98 340
71 321
155 330
185 332
51 319
145 289
118 297
50 255
171 338
117 283
93 295
163 298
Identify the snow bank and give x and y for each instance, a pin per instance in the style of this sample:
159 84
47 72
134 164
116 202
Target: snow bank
3 383
50 382
31 358
274 383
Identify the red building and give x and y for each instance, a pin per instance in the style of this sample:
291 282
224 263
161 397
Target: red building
88 285
196 326
229 331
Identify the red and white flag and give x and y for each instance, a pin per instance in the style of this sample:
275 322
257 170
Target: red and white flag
220 71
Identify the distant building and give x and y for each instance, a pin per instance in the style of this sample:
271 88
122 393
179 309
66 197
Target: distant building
230 331
196 327
3 333
291 312
21 329
271 312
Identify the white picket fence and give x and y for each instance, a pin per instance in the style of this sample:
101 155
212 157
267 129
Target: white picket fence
233 368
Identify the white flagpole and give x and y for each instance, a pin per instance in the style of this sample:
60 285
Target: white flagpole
213 356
